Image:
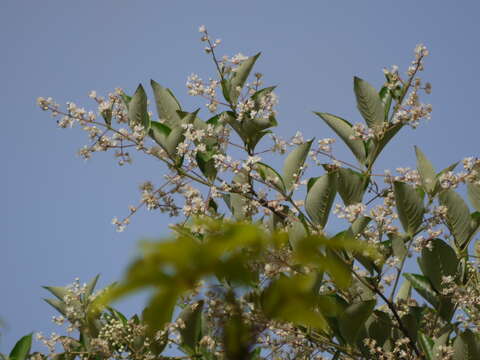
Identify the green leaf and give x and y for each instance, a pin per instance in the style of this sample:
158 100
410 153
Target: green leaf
426 344
386 97
404 292
409 206
398 246
458 216
167 104
58 305
320 199
240 76
379 327
360 224
294 161
344 129
58 291
426 171
91 286
137 109
438 262
351 185
271 176
206 164
378 145
466 346
473 192
369 103
192 332
422 285
22 348
354 318
237 201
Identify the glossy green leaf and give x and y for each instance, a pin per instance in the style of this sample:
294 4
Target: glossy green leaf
344 129
369 103
319 200
409 206
426 171
294 161
350 186
137 109
466 346
167 105
354 318
458 216
22 348
438 262
473 191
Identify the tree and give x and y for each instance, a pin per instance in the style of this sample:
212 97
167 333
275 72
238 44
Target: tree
250 271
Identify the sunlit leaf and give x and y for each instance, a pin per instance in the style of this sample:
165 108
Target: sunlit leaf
319 200
409 205
167 104
458 216
369 103
350 186
137 109
426 171
294 161
22 348
344 129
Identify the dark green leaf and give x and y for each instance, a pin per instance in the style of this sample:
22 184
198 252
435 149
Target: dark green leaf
426 344
438 262
22 348
422 285
192 332
354 318
466 346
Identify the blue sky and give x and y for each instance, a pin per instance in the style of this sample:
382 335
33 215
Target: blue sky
57 209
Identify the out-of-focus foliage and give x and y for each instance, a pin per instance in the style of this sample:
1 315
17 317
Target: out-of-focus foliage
252 270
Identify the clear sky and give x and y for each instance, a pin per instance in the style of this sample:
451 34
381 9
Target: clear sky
56 209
